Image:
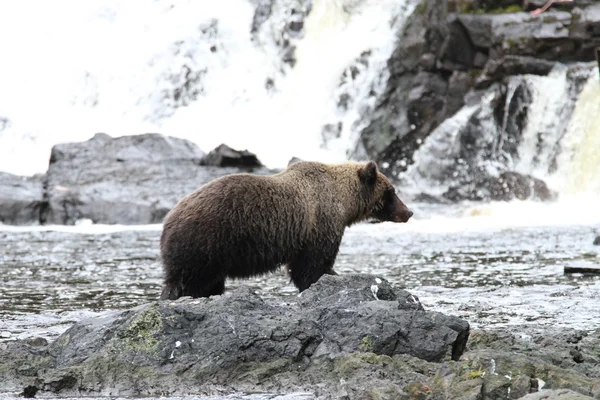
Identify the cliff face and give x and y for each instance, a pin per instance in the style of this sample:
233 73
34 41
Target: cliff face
448 62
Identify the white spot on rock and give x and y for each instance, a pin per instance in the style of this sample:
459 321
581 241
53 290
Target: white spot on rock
374 290
541 384
172 355
377 280
177 343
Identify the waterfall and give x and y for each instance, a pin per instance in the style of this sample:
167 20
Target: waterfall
541 126
579 164
281 78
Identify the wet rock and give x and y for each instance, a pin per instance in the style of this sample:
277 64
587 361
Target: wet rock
597 241
555 35
504 31
344 334
556 394
496 70
569 350
225 156
586 23
29 392
582 267
508 186
416 95
124 180
488 374
290 17
21 199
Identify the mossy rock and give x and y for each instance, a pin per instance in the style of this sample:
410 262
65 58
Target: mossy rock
141 334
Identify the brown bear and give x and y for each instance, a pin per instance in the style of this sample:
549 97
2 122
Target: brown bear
244 225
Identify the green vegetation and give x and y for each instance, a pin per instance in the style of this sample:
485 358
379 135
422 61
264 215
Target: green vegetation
475 374
356 361
421 8
142 330
549 18
502 10
367 344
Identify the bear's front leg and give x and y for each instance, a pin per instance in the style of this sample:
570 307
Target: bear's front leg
312 263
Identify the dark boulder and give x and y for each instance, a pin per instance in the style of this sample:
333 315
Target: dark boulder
325 341
225 156
21 199
496 70
597 241
505 187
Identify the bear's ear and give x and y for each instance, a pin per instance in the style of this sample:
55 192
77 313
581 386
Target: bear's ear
368 173
294 160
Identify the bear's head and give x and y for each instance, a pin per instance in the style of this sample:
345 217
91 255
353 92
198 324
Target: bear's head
382 203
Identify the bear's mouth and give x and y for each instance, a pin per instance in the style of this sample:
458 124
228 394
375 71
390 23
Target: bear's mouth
402 218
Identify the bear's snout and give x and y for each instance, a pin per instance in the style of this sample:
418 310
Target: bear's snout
404 216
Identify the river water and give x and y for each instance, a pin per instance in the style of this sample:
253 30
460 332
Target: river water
496 265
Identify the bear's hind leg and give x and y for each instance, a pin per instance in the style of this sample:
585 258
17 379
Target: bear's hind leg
205 288
172 283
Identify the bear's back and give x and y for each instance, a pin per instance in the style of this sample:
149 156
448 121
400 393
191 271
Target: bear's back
240 211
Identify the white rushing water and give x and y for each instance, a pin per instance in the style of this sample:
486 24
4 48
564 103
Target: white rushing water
561 149
190 69
560 144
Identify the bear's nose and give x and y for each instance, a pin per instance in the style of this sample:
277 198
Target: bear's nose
410 213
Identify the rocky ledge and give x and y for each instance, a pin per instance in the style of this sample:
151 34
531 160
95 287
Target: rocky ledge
334 338
347 337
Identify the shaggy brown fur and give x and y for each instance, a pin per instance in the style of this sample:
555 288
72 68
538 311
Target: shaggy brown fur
245 225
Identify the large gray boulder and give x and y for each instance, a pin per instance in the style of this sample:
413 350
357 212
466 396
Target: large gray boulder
314 342
124 180
21 199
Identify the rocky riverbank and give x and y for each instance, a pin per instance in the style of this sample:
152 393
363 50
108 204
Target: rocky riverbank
354 337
